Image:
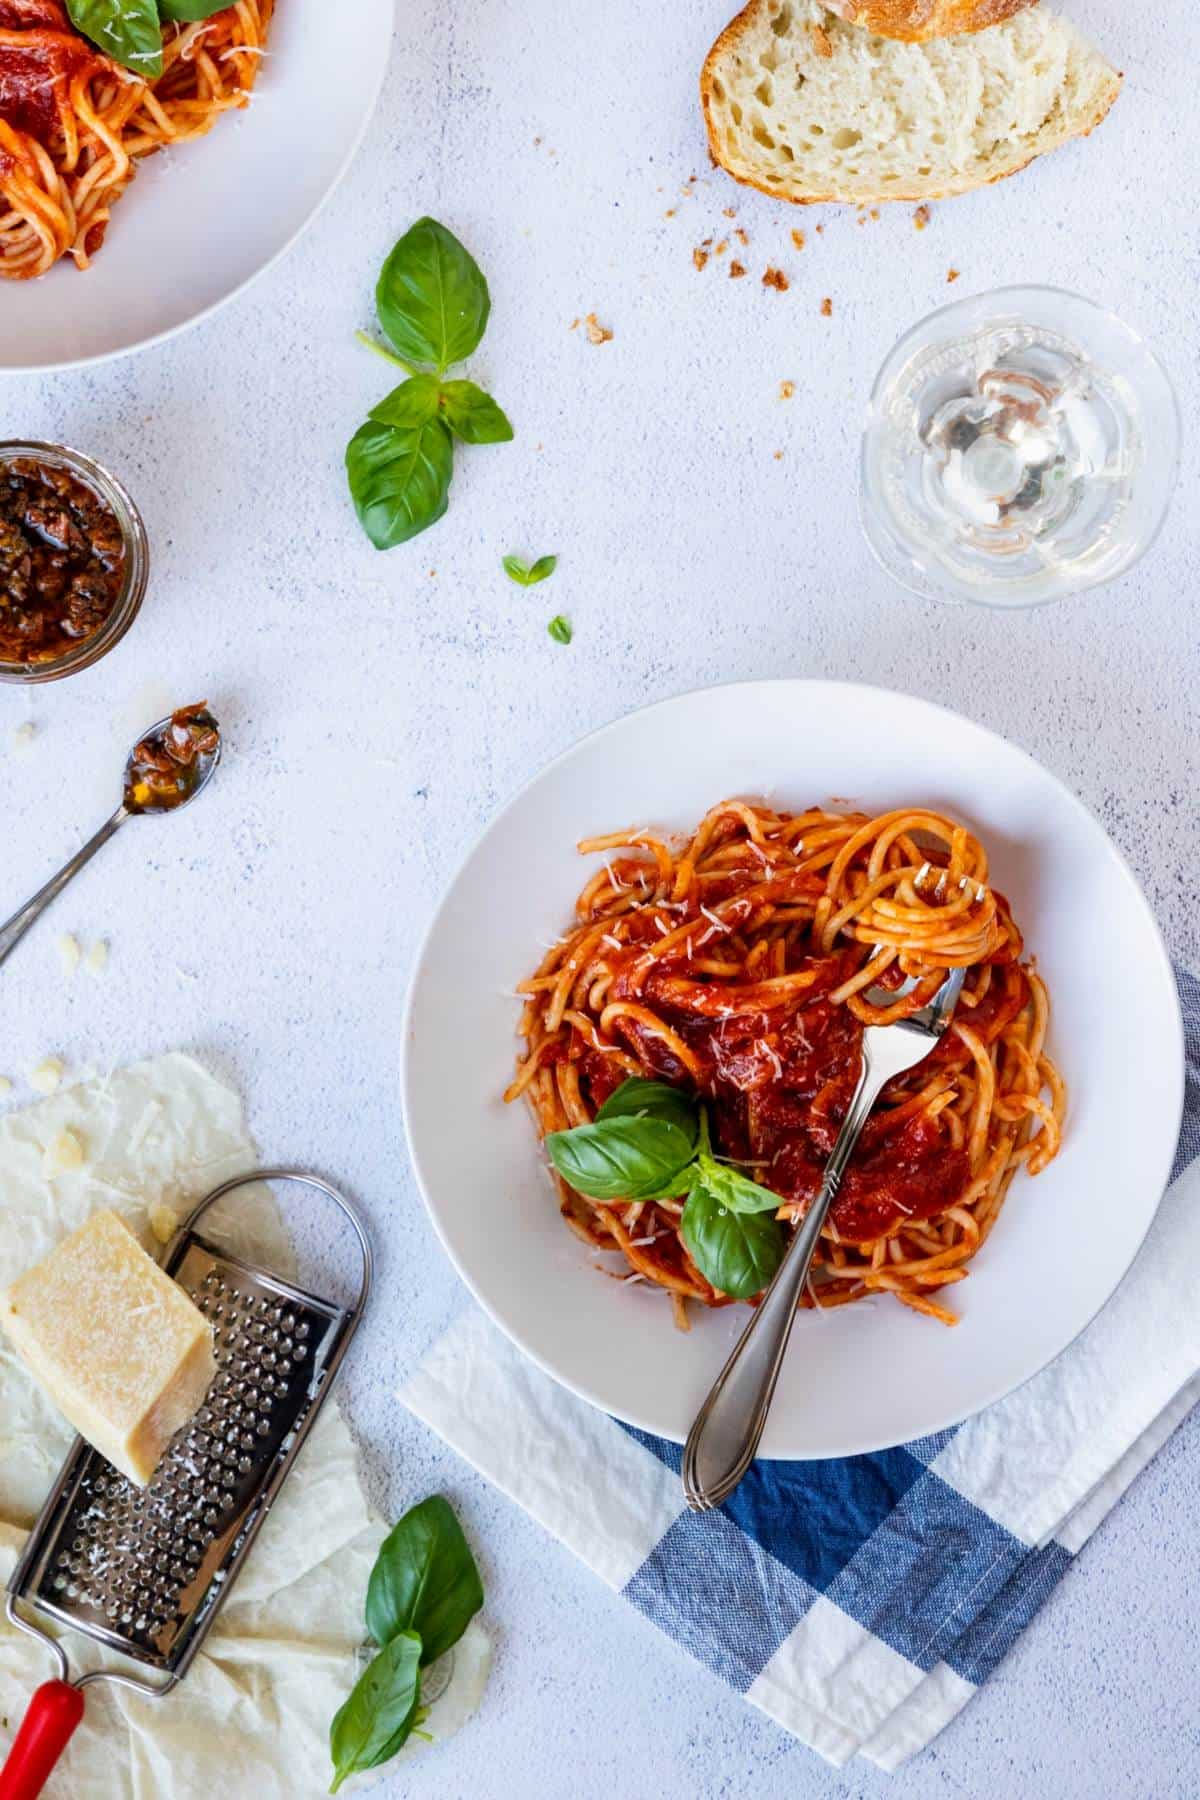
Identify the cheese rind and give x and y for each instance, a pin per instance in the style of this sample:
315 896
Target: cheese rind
118 1346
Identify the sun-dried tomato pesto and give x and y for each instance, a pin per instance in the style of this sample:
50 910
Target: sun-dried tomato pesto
167 767
62 561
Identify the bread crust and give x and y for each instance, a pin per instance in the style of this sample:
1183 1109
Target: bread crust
744 21
916 21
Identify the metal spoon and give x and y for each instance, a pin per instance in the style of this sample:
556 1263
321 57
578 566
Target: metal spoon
137 798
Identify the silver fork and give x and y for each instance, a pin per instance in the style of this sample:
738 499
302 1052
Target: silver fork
728 1427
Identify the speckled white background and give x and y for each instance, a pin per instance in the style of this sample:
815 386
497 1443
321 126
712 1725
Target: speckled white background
378 708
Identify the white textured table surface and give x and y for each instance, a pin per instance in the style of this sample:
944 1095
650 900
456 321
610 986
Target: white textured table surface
379 708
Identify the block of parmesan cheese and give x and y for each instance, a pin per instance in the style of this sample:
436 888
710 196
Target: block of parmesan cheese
118 1346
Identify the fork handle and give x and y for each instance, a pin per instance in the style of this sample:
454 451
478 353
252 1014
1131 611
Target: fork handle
54 1712
729 1426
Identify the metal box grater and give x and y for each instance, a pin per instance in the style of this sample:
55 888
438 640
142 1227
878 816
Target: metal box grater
144 1570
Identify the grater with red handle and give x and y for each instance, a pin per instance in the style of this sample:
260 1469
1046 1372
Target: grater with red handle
144 1571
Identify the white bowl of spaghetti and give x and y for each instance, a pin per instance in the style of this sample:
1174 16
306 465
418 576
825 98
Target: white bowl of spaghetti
754 856
132 204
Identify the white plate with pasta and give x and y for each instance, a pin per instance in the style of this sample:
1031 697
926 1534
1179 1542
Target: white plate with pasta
756 857
120 223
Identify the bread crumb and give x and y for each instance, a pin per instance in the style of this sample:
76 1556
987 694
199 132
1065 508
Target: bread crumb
820 40
574 325
741 237
798 238
68 954
820 228
775 278
596 332
164 1222
874 212
786 389
722 247
779 456
952 274
921 217
670 213
827 308
97 958
700 256
735 269
46 1077
729 212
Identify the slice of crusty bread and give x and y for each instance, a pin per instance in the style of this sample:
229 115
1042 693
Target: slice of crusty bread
917 20
806 107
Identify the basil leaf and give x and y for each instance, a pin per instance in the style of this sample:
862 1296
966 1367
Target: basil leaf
473 415
737 1252
412 403
127 30
424 1580
528 574
560 629
381 1711
187 11
399 478
432 299
737 1192
656 1100
623 1158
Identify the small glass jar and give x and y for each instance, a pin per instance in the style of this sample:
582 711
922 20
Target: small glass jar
92 474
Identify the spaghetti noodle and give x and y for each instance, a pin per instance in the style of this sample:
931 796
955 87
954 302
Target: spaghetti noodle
737 966
74 123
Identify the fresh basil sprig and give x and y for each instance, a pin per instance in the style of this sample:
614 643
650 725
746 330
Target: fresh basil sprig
650 1141
433 305
423 1592
737 1252
656 1100
381 1713
528 574
560 629
130 31
424 1580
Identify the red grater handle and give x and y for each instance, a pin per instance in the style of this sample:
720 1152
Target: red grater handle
54 1712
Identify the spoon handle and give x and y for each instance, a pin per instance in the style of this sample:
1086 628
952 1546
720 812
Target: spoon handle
14 930
728 1427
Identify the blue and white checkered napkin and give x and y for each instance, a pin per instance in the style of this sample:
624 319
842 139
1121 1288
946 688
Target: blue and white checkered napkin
859 1603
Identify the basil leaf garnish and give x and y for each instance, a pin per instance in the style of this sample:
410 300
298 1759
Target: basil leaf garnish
622 1158
188 11
381 1711
528 574
657 1100
737 1192
412 403
560 629
424 1581
399 478
432 299
473 415
737 1252
127 30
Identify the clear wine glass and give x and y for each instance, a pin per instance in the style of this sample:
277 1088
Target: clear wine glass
1020 446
